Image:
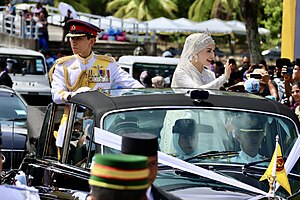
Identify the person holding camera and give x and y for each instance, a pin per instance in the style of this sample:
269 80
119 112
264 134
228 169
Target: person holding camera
236 76
192 70
267 88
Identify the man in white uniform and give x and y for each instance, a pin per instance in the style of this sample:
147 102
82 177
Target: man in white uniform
250 141
84 70
250 133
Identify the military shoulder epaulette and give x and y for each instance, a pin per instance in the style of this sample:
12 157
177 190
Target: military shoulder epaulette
63 59
105 57
51 71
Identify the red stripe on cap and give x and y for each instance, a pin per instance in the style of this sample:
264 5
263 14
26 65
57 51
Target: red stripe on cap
97 165
83 29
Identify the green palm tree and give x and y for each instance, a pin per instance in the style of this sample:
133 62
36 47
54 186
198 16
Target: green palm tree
202 10
142 9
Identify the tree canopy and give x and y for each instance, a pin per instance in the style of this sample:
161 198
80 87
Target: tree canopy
269 11
142 9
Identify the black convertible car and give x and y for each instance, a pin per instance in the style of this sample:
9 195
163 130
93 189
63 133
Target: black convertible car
213 144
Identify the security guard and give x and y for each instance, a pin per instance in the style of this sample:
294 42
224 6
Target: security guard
117 177
146 144
84 70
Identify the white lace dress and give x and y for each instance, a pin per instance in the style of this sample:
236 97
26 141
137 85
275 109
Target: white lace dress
188 76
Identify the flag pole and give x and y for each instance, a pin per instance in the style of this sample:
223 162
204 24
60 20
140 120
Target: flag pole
272 180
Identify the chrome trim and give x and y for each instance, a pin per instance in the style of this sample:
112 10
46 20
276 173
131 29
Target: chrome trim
15 150
68 131
3 159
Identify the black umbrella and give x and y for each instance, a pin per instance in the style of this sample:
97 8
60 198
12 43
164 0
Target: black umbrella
44 2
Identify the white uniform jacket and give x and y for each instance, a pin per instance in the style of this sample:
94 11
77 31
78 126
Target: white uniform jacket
245 158
96 72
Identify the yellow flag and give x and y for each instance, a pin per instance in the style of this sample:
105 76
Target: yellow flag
281 176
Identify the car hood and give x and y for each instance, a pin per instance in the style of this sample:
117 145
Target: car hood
16 141
209 193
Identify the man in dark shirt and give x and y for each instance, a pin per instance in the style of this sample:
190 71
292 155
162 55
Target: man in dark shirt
4 77
66 27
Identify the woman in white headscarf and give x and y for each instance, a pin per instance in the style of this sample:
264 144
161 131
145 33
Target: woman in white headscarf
198 52
185 145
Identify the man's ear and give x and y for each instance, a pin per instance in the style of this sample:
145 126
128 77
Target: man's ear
93 41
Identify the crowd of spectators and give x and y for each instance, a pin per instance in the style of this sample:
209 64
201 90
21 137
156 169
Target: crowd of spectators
280 82
35 16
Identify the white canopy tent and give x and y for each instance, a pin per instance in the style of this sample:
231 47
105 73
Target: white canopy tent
186 25
133 25
214 26
161 24
263 31
239 27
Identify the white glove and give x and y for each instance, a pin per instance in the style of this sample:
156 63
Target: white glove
80 195
80 90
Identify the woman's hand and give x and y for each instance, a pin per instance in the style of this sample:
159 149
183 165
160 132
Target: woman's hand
227 71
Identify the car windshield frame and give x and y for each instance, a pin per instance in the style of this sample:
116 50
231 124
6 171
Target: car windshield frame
286 147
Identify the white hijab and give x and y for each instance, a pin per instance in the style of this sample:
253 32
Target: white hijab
194 43
186 75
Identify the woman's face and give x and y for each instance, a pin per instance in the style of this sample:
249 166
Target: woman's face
296 73
206 55
295 93
188 143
